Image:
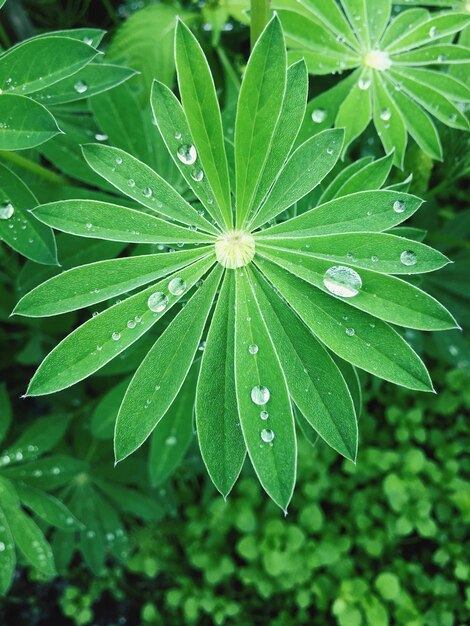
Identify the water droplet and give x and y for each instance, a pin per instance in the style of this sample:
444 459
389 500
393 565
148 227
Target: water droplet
264 415
89 226
90 534
433 31
374 258
171 441
118 160
88 41
6 210
342 281
109 537
55 471
131 324
364 83
385 115
80 86
177 286
131 182
319 116
340 38
253 348
260 395
350 332
329 151
177 135
116 336
197 175
399 206
99 348
2 546
157 302
408 257
453 350
267 435
101 137
147 192
442 58
187 154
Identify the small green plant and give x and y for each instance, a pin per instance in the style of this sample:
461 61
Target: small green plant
395 80
288 305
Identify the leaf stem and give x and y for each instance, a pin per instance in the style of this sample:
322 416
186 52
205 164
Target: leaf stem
35 168
259 19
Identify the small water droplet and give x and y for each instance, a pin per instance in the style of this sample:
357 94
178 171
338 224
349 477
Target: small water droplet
267 435
260 395
131 182
264 415
171 441
197 174
319 116
2 546
374 258
408 257
147 192
80 86
6 210
329 151
433 31
187 154
342 281
101 137
177 286
177 135
399 206
118 161
340 38
116 336
89 226
99 348
385 115
364 83
131 324
157 302
350 332
253 348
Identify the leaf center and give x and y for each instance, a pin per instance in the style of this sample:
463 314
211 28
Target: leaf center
377 60
235 248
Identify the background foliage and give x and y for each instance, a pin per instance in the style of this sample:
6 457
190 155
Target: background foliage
381 542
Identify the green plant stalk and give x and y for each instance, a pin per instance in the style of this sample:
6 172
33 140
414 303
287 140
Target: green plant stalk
35 168
259 19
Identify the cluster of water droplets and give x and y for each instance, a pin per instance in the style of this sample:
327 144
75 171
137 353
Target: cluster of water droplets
260 396
16 456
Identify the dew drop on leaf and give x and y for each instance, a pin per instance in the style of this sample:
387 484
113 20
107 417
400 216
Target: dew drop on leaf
131 182
319 116
264 415
147 192
80 86
157 302
399 206
6 210
177 135
408 257
187 154
177 286
171 441
350 332
253 348
118 160
260 395
364 83
131 324
116 336
342 281
101 137
267 435
2 546
433 31
197 175
385 115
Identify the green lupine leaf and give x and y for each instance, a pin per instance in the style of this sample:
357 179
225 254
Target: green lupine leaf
104 414
92 540
386 297
173 433
444 53
435 28
103 337
261 389
218 425
95 219
25 123
7 555
90 36
163 371
2 2
403 23
389 122
141 183
40 437
380 252
434 102
307 166
55 58
371 211
259 107
48 508
288 125
358 16
419 125
203 114
352 380
173 126
90 81
446 84
89 284
48 473
342 178
371 345
329 13
372 176
132 501
355 112
314 382
5 412
27 536
18 227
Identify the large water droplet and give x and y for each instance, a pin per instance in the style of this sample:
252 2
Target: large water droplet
260 395
399 206
6 210
342 281
177 286
267 435
157 302
253 348
408 257
187 154
319 115
80 86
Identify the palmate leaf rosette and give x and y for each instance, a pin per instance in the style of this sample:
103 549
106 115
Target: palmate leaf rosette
288 307
394 66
